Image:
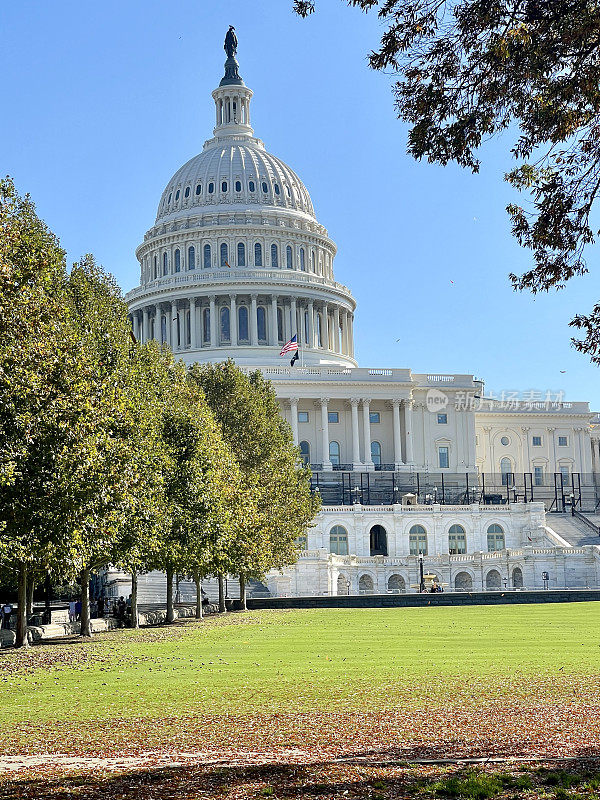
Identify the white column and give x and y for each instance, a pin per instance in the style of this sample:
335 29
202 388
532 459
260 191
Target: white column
145 324
193 342
397 433
408 423
253 325
344 349
336 329
213 320
552 452
294 418
233 320
367 435
351 335
325 330
174 344
354 401
325 433
311 325
273 325
294 319
286 324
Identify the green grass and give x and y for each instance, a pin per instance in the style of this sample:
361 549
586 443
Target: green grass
333 660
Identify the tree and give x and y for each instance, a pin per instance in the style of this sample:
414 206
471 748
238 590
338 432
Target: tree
471 69
200 483
36 367
275 504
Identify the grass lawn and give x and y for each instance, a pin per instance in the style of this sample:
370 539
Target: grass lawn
388 683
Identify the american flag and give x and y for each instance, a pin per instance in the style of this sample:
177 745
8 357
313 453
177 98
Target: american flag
290 346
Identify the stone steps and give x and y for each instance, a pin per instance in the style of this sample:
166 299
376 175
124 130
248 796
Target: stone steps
573 530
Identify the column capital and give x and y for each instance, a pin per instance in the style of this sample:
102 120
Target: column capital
212 297
366 401
354 401
322 401
524 428
232 295
293 401
396 402
550 430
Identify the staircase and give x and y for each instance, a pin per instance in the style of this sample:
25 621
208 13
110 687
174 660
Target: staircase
574 530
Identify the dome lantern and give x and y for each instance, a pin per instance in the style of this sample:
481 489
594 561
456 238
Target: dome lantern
232 97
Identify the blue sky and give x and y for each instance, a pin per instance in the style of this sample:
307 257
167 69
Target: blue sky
103 102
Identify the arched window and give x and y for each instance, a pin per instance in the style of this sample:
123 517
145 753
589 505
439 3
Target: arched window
376 453
276 188
163 329
211 187
365 584
206 326
493 580
319 327
506 471
207 257
338 540
165 264
177 196
305 452
187 192
251 186
274 256
417 540
155 267
177 260
258 254
334 452
495 538
238 186
241 253
225 331
265 187
224 186
457 540
198 189
279 323
224 255
306 330
289 262
191 258
261 323
312 260
517 578
243 323
378 541
302 260
396 584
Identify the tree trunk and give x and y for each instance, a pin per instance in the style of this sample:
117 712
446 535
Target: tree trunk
30 588
222 594
21 640
243 593
170 610
198 597
86 622
134 608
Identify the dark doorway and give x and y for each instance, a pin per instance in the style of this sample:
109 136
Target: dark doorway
378 541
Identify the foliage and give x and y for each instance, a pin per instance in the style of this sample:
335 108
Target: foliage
470 69
275 502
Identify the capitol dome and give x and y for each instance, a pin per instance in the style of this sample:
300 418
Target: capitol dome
236 263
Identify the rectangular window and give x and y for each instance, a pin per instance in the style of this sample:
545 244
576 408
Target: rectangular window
374 417
444 457
536 441
563 441
442 419
564 471
538 476
303 416
333 416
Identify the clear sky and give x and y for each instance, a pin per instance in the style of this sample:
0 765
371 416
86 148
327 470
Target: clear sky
103 102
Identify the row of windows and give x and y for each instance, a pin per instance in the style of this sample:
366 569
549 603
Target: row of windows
536 441
417 540
241 258
224 185
335 451
334 416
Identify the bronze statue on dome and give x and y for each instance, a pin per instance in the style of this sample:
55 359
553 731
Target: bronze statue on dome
231 42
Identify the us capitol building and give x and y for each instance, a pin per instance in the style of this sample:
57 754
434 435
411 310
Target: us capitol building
488 493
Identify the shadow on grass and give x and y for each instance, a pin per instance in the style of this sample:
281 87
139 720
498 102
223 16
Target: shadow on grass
578 779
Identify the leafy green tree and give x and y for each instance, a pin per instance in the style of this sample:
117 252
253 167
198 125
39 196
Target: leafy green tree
36 367
276 505
199 483
471 69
